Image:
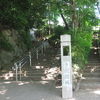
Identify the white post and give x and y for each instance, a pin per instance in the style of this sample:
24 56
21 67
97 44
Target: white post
66 64
45 46
30 59
42 49
37 53
16 71
20 70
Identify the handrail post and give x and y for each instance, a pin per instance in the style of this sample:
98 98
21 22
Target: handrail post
42 49
30 59
37 53
47 45
16 71
44 46
20 70
22 62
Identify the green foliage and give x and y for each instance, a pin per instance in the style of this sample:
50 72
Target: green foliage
58 30
4 44
81 43
25 38
18 14
78 16
99 38
66 51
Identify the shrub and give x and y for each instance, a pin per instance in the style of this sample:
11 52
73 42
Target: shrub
4 44
26 38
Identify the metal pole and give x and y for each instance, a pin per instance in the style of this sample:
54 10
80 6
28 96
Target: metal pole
30 59
42 49
16 71
20 70
37 53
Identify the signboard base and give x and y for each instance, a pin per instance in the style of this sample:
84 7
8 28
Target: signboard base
67 92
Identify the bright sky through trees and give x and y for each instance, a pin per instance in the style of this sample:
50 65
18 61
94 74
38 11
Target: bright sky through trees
97 13
60 21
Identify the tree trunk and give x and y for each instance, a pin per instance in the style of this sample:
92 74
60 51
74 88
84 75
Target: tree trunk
66 24
74 18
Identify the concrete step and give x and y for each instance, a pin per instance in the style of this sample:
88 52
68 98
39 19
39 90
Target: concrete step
34 67
10 76
90 79
26 77
29 70
36 79
93 61
90 85
38 76
7 78
92 70
92 67
91 75
5 71
93 64
44 70
93 58
33 74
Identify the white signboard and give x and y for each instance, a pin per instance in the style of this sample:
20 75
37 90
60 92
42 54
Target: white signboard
66 73
66 66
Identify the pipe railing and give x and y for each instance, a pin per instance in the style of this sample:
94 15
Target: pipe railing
19 64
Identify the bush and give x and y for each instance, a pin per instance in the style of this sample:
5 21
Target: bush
81 41
26 38
4 44
59 30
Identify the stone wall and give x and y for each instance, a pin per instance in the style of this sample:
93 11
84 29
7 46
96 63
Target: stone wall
14 39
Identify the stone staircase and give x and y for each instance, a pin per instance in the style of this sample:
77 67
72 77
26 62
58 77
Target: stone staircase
45 68
27 75
91 75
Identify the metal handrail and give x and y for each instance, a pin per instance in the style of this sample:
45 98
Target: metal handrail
23 61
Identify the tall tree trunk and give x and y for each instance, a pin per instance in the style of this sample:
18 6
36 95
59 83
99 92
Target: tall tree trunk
66 24
74 18
63 18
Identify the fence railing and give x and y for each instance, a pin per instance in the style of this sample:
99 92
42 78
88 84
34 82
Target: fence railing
19 64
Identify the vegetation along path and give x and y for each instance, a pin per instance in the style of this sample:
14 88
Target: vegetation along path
37 80
46 67
89 87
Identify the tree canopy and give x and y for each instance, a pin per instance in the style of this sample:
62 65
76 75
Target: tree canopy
78 17
21 13
35 13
